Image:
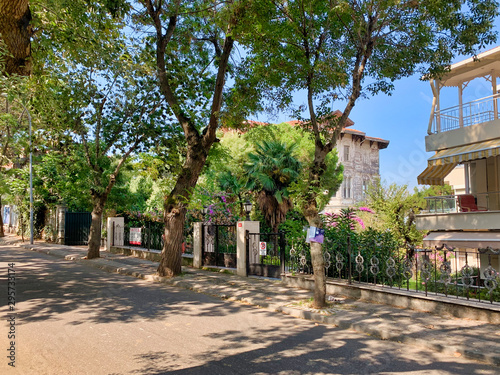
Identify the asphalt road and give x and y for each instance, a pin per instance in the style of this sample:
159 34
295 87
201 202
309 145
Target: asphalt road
71 319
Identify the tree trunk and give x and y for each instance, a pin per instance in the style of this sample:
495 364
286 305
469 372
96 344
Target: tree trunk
175 212
317 259
171 257
16 32
318 263
95 228
2 234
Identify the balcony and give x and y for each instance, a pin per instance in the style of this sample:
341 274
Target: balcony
476 112
465 124
455 212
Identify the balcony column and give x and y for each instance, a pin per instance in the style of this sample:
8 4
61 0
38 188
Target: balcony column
467 176
461 105
435 116
494 88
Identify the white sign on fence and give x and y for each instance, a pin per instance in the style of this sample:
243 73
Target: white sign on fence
135 236
263 248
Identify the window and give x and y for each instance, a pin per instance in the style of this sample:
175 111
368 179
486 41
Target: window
365 187
346 153
346 191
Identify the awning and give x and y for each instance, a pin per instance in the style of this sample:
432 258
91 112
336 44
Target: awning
470 240
461 154
435 174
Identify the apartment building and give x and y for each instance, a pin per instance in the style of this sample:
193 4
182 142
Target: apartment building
465 139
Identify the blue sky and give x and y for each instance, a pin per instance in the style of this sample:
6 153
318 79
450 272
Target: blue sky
403 118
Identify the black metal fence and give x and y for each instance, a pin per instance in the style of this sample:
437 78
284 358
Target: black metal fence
219 245
150 237
144 237
77 228
441 271
266 254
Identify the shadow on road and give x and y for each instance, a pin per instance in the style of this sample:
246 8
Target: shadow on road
46 288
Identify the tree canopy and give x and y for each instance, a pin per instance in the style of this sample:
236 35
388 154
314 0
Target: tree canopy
341 51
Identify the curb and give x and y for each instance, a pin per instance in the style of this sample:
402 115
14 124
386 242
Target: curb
360 327
382 334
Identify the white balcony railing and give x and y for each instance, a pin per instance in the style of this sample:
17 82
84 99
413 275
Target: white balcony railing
467 114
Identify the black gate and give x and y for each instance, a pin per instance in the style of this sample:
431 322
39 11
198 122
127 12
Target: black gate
77 228
219 245
265 254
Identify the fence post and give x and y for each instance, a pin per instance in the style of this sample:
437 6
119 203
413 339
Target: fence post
282 252
60 219
241 244
149 236
197 244
216 245
349 270
111 224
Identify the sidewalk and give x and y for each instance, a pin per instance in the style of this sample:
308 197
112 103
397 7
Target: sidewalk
457 337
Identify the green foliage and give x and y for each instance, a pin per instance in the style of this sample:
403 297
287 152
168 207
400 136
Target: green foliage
272 168
294 226
342 51
239 145
61 177
270 171
396 208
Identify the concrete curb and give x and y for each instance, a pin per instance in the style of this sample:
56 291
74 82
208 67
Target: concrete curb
338 321
386 334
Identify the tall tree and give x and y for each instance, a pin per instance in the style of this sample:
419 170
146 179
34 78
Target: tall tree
94 92
341 50
16 31
14 137
192 46
109 115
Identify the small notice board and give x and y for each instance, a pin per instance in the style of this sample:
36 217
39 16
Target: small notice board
263 248
135 236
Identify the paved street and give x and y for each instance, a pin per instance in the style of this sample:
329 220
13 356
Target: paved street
72 319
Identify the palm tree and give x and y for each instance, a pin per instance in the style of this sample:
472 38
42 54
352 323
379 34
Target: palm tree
271 170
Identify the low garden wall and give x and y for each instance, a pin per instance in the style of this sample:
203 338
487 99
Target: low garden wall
400 298
152 255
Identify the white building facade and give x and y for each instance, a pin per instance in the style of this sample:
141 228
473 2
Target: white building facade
359 154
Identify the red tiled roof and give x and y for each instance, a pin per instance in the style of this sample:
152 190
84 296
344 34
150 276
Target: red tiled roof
248 124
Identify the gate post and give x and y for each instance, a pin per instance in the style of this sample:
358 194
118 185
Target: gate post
60 223
111 233
241 249
197 244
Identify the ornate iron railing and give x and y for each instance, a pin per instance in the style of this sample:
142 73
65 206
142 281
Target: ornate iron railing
219 245
441 271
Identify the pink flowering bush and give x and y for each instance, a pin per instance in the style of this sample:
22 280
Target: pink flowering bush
347 218
221 208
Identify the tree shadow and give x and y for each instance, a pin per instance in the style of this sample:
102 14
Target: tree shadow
314 349
47 288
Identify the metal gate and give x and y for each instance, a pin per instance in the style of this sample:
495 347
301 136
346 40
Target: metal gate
77 228
219 245
265 254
